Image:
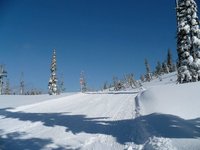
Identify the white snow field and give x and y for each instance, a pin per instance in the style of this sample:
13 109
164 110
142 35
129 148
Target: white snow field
163 115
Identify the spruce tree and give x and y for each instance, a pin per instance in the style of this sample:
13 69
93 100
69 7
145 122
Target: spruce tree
83 83
142 78
105 86
169 61
61 88
159 69
7 88
3 74
53 79
165 67
148 73
115 82
22 90
174 67
188 41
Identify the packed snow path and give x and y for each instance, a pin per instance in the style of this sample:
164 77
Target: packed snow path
80 121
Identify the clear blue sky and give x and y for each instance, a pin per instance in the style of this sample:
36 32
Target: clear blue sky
101 37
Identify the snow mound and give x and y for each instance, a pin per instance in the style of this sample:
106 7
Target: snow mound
166 79
181 100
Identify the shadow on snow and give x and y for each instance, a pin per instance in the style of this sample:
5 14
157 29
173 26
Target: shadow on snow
12 141
132 130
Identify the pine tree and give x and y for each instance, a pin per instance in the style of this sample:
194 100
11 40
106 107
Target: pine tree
61 85
83 83
115 82
159 69
148 73
169 61
105 86
165 67
174 67
7 88
142 78
3 74
22 91
53 79
188 41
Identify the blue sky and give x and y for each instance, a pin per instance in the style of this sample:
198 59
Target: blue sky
101 37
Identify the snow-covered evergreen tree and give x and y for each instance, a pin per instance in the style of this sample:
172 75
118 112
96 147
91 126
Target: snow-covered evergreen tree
142 78
159 69
3 74
22 90
61 88
165 67
7 88
115 81
148 73
169 61
105 85
174 67
53 90
83 82
188 41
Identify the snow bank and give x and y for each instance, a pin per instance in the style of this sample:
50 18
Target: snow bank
170 78
171 115
182 100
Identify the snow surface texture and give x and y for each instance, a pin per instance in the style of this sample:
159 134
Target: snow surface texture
19 100
162 116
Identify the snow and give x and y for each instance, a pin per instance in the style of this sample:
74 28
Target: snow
18 100
186 28
196 40
83 121
173 99
156 143
172 111
160 115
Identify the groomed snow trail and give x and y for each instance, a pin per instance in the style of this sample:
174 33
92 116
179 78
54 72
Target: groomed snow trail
80 121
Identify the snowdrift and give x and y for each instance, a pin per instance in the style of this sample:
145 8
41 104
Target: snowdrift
171 112
182 100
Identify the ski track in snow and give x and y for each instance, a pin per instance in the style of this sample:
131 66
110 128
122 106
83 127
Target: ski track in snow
153 143
107 141
104 107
